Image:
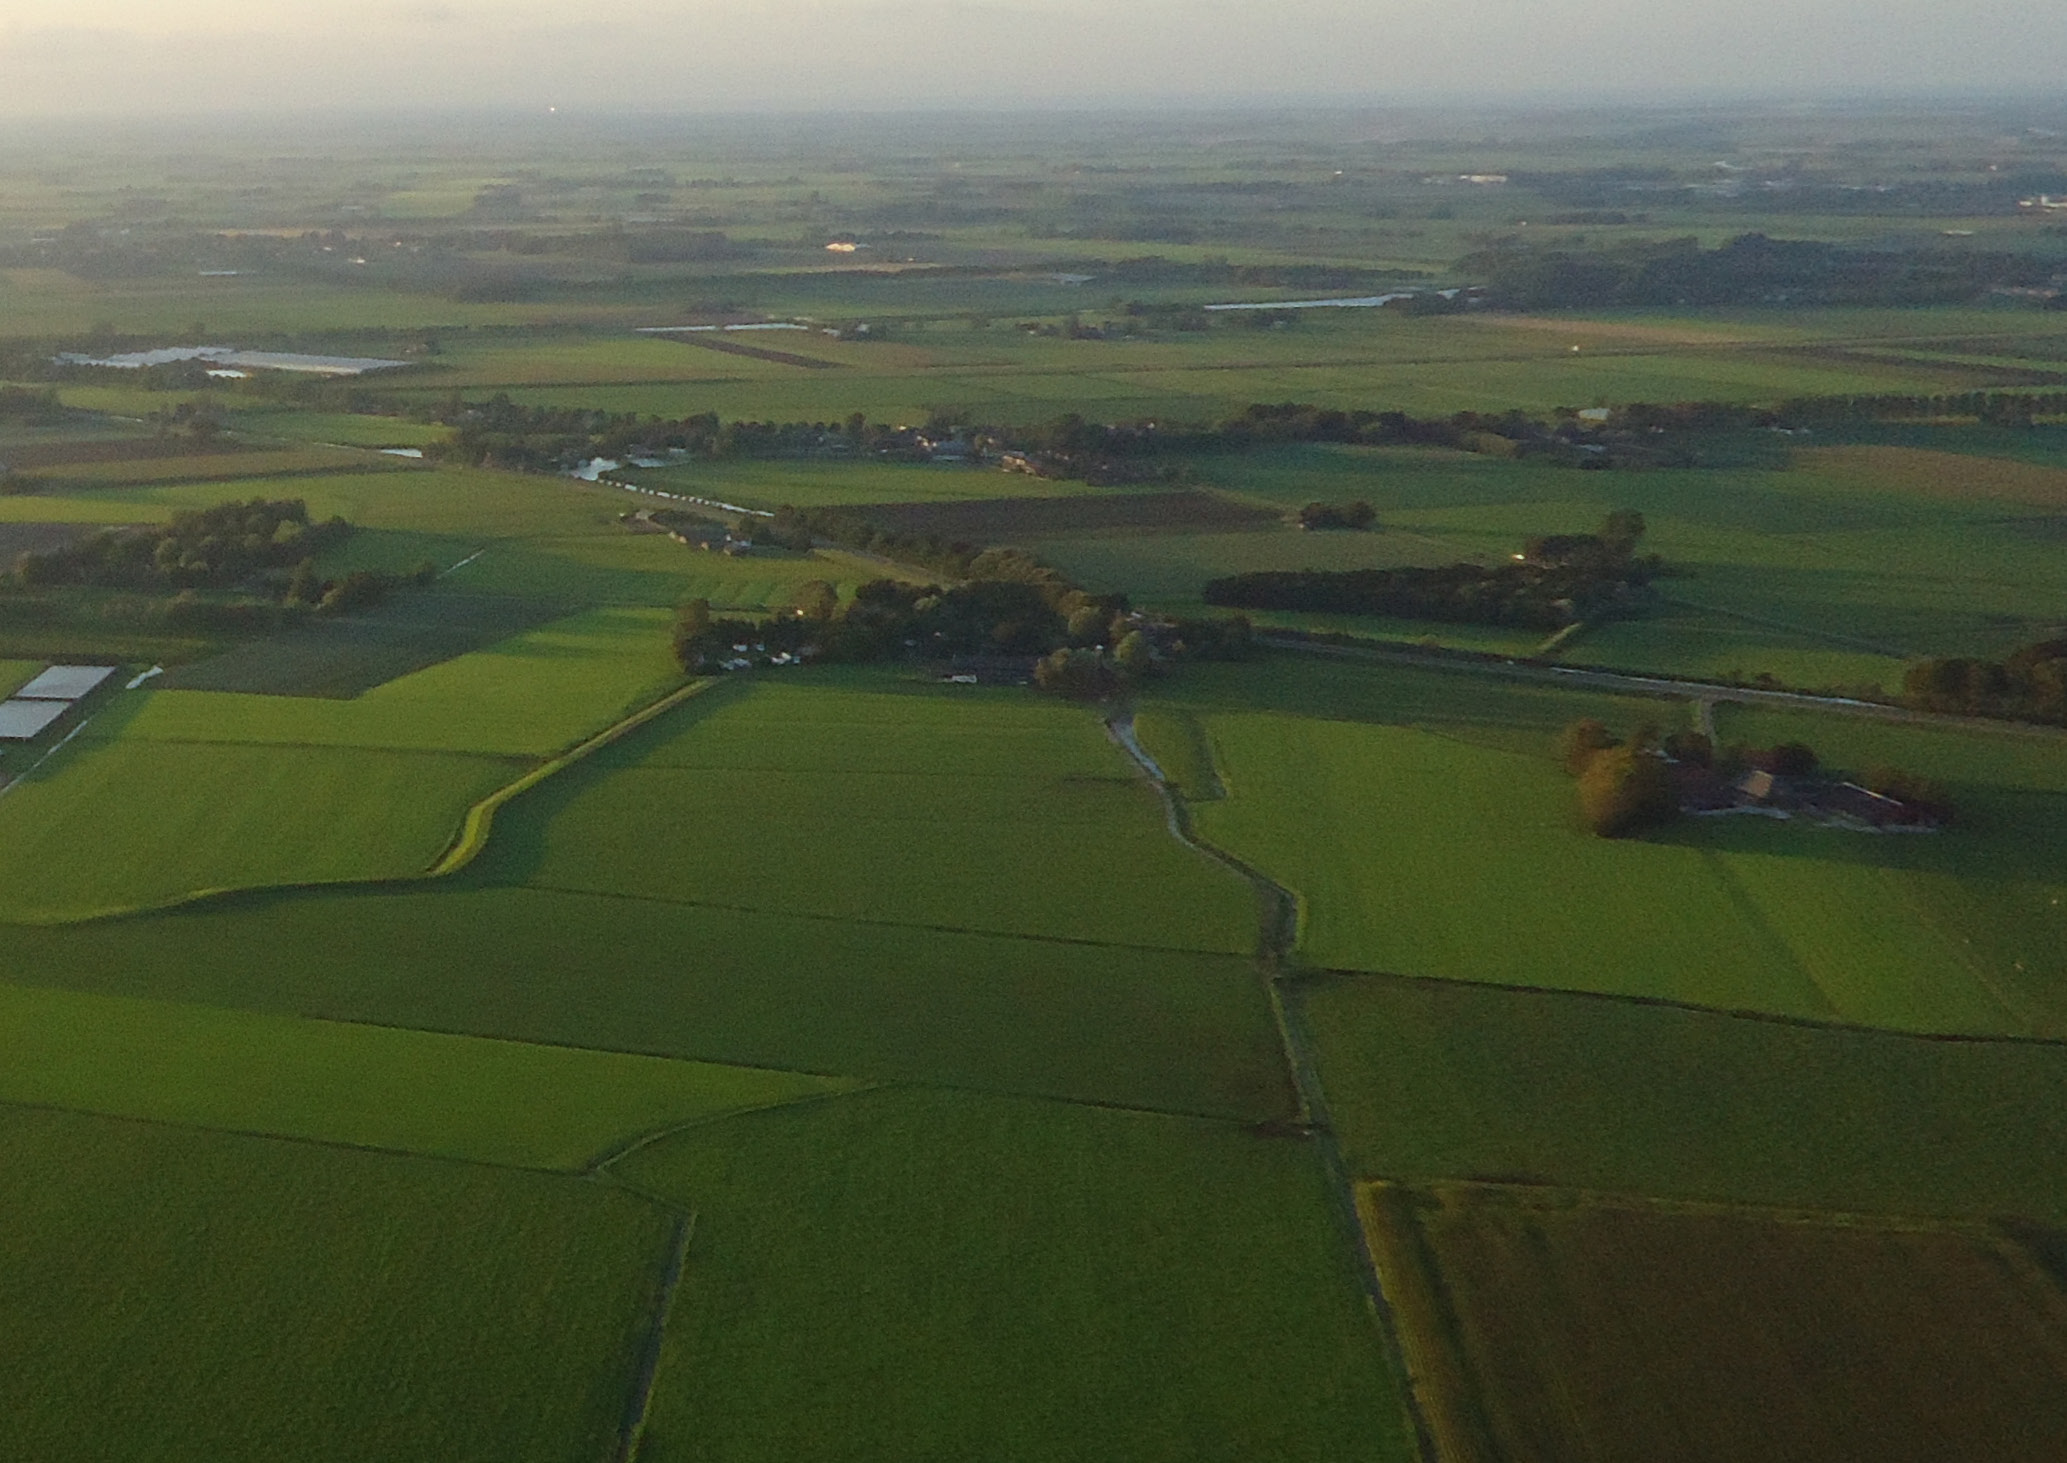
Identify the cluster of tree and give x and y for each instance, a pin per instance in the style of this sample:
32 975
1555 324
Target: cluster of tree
1560 581
26 404
891 619
1625 787
801 528
2028 685
1354 515
1003 602
199 548
1751 269
1628 786
355 590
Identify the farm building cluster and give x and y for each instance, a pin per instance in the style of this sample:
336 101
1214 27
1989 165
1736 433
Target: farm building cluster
1706 792
47 699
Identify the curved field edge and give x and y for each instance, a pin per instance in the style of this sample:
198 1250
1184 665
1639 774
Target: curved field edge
466 845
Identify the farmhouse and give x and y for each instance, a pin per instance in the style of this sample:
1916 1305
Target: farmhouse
65 683
22 721
1703 793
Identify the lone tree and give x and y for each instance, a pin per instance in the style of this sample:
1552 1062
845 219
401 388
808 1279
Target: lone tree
1625 790
692 629
817 600
1582 741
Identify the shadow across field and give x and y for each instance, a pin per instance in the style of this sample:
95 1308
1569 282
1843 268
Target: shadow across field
345 657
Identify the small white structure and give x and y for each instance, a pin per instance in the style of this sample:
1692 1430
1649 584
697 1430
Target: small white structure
65 683
22 720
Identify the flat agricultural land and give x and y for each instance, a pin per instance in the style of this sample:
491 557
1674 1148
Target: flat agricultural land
1435 834
1432 1080
1069 1282
864 798
530 695
1823 567
181 1295
1544 1327
115 824
1008 520
519 1104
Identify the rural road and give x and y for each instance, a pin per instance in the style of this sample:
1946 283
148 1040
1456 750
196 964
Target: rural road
1629 684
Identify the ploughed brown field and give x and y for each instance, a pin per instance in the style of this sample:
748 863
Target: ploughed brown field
29 457
1940 474
17 539
1543 1326
1000 520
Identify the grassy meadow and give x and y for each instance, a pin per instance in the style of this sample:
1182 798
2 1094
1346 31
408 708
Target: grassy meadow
858 798
182 1295
1040 1281
1432 1080
1376 818
516 1104
887 1016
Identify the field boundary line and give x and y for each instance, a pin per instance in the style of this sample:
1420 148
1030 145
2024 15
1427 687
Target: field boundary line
878 924
480 818
1315 975
1652 687
1277 937
599 1166
639 1406
340 1145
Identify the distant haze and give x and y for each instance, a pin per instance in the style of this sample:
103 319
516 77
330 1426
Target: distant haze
61 57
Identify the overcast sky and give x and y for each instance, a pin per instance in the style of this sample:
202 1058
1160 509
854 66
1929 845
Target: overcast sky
74 56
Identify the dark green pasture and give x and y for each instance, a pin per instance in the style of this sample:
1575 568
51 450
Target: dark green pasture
921 1275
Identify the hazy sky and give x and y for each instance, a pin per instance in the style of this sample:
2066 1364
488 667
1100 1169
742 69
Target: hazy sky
72 56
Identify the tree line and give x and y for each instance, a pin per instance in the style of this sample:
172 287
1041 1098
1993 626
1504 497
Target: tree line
1751 269
1559 580
263 547
2029 684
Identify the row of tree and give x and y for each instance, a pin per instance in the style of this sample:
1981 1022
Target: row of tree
1750 269
2027 685
199 548
1560 580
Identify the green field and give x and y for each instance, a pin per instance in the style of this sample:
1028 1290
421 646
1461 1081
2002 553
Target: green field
116 824
178 1295
1369 820
862 799
837 1063
1143 1028
531 695
913 1275
518 1104
1439 1080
